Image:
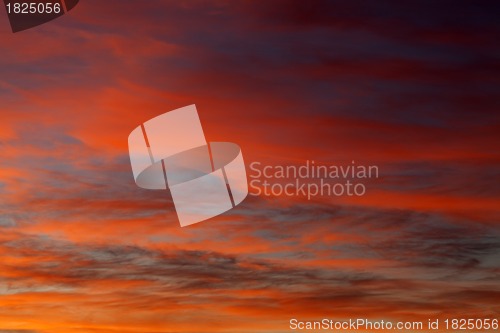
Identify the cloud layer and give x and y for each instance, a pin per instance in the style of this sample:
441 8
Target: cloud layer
411 87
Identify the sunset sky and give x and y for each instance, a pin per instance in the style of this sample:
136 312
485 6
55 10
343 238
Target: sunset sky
412 87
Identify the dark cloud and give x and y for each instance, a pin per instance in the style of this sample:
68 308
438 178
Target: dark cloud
469 178
167 275
179 270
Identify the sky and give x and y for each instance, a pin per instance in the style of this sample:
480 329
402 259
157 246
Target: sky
412 87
